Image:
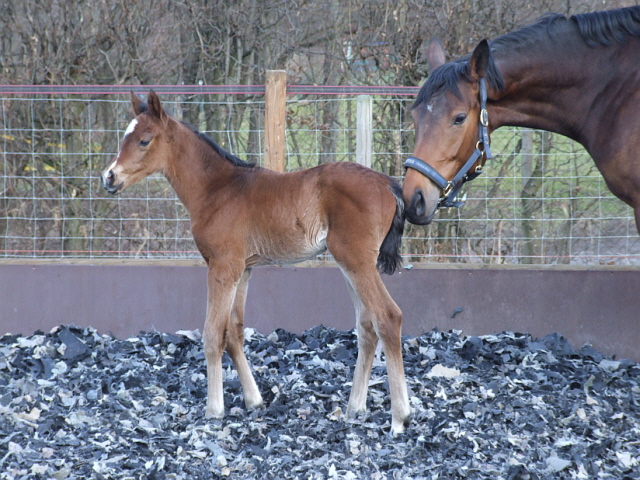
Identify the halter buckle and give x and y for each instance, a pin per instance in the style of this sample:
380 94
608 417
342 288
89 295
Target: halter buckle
447 190
484 117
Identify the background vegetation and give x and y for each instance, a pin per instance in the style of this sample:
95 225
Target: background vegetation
53 148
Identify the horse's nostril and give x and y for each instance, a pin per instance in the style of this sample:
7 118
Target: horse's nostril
110 176
419 203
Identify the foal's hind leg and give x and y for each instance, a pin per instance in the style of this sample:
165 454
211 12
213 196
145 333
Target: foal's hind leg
367 344
636 212
384 319
235 345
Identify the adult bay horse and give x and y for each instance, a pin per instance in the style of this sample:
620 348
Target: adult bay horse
577 76
244 216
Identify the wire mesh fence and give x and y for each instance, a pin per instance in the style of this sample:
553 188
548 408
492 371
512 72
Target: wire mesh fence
540 199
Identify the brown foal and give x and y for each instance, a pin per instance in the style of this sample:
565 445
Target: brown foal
244 216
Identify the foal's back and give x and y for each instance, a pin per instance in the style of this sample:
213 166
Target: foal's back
287 217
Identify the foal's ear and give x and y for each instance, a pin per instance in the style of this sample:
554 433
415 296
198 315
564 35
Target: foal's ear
479 61
155 108
137 103
436 55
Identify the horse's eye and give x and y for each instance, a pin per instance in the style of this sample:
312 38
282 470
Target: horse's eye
144 143
459 120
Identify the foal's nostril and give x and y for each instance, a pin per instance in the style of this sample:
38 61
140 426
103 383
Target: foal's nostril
107 179
108 182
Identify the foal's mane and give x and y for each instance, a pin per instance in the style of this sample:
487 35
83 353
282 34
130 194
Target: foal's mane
238 162
597 28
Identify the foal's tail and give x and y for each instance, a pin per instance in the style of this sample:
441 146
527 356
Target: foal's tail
389 259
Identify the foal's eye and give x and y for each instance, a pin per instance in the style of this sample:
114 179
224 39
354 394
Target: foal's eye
459 120
144 143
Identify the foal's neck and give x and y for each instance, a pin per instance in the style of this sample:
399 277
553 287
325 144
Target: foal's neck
194 170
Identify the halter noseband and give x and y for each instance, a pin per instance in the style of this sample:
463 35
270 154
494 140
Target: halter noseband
452 187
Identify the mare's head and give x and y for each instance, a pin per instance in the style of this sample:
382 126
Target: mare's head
144 146
446 122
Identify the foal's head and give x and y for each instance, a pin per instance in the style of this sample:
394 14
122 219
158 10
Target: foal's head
144 146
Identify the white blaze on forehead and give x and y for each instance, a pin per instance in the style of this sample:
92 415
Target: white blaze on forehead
430 107
131 127
113 164
114 167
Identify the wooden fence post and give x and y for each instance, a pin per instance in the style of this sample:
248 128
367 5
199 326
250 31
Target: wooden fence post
364 132
275 119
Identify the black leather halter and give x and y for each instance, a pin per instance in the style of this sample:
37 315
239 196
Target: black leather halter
451 188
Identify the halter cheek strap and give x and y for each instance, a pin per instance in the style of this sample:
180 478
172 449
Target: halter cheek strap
452 187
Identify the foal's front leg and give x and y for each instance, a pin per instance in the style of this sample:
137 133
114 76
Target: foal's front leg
235 345
222 283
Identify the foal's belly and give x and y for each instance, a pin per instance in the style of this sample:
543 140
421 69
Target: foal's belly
294 247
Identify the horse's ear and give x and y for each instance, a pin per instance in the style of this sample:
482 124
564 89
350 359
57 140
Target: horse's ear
155 107
137 103
436 55
479 61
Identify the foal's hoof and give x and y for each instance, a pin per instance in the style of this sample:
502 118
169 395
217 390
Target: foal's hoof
356 416
211 413
355 413
398 427
254 407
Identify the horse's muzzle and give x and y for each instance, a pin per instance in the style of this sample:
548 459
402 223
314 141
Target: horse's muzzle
417 211
108 182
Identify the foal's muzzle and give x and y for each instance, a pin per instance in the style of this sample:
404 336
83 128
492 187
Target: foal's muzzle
108 182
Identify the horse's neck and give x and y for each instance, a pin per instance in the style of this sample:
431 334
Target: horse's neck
548 89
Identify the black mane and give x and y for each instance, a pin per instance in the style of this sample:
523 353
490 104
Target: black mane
597 28
238 162
446 77
604 28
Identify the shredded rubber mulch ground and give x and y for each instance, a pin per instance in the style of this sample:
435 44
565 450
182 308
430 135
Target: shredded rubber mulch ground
76 405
